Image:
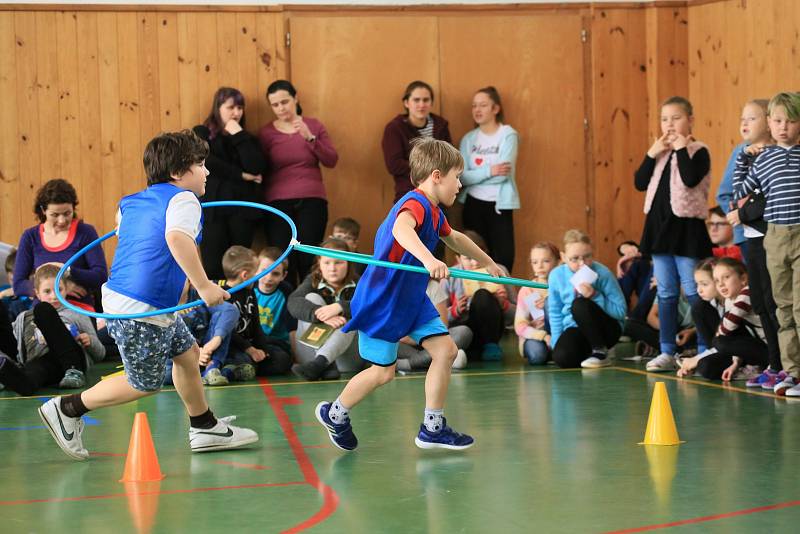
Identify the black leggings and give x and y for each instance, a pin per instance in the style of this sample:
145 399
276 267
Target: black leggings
762 299
219 234
595 329
485 318
741 343
63 353
497 229
278 362
311 217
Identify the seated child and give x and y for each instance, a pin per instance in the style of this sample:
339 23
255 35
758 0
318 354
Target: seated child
585 317
54 344
485 307
212 328
635 278
15 304
721 233
739 339
348 230
324 297
249 343
531 316
272 293
413 357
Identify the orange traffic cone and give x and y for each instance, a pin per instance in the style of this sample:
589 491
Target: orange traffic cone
661 424
142 462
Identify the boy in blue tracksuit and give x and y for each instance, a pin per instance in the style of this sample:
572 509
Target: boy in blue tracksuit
158 230
390 304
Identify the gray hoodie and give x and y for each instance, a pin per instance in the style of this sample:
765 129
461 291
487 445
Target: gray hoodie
31 344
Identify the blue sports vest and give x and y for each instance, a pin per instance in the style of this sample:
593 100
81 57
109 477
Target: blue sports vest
389 303
143 268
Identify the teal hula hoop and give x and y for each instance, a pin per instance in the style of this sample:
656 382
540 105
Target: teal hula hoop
293 245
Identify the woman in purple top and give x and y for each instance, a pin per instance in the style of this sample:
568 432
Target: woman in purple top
417 121
295 146
57 237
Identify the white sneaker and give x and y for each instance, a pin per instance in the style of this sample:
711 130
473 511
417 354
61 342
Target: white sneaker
793 391
662 363
65 430
461 360
785 385
221 436
593 362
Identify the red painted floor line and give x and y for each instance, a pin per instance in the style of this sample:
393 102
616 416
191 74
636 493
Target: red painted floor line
165 492
329 498
707 518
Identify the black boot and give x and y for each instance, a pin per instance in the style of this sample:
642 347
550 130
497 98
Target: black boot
14 378
311 370
331 372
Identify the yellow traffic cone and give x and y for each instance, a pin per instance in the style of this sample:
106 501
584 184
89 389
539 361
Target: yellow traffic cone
661 424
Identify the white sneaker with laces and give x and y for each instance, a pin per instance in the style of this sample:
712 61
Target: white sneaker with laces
593 362
662 363
65 430
221 436
785 385
461 360
793 391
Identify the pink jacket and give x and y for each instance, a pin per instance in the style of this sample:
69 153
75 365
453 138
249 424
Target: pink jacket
685 201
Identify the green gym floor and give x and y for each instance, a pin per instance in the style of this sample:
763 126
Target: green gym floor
556 451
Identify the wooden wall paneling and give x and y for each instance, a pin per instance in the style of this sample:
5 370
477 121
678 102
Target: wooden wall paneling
69 140
247 65
169 99
227 50
355 89
272 64
47 95
91 176
130 105
110 144
543 98
207 60
27 121
667 58
149 85
190 100
619 125
10 208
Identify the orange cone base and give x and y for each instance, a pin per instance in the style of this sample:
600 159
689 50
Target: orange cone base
142 462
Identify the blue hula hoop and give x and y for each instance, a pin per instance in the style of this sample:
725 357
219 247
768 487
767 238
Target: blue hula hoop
293 244
194 303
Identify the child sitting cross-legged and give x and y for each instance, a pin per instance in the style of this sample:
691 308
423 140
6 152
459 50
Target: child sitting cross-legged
531 317
324 297
54 344
249 343
272 293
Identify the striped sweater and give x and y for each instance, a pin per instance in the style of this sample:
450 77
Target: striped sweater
739 314
776 172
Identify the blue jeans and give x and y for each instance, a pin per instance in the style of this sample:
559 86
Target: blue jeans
673 273
536 352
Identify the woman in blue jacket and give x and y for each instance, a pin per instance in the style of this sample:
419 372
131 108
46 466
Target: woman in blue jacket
490 192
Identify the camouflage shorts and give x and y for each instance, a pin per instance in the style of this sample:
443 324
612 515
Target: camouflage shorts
145 348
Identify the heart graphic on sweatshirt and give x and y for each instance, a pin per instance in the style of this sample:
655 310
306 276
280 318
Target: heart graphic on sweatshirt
478 161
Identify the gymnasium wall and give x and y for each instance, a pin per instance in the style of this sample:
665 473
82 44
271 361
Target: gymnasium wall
85 89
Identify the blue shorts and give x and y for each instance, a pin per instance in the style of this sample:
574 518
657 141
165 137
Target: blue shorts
145 348
384 353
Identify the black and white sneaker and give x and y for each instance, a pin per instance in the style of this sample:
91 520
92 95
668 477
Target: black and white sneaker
221 436
65 430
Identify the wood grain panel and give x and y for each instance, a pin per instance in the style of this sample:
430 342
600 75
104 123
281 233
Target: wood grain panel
28 118
47 96
129 105
10 209
91 177
109 103
552 181
69 141
355 92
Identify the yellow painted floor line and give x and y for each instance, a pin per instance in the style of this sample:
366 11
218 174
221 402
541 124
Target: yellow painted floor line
667 376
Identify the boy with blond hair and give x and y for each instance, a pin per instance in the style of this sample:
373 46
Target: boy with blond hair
389 303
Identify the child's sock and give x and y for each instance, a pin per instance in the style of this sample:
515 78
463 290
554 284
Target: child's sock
204 420
73 406
338 413
434 419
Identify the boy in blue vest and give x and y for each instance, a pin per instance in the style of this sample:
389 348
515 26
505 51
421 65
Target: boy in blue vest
158 231
390 304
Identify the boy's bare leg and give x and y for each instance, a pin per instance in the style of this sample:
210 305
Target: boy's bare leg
186 377
443 351
111 392
365 383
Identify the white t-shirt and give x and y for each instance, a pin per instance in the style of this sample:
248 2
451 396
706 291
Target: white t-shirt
182 215
485 151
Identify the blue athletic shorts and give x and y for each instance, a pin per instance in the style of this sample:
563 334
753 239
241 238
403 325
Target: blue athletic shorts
145 347
384 353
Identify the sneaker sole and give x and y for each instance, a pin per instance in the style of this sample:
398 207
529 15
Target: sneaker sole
52 431
330 436
427 445
225 446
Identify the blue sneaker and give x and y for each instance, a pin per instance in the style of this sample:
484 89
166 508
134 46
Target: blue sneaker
341 435
491 352
446 438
